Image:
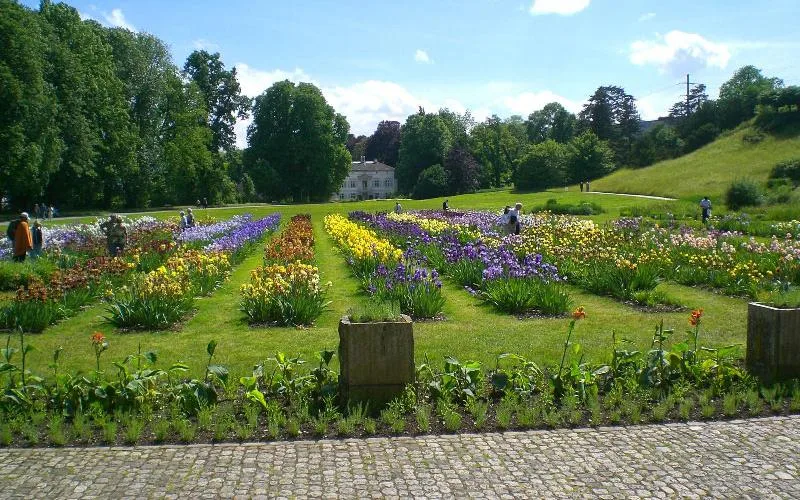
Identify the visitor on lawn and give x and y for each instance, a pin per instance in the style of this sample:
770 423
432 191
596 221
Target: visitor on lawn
397 208
190 222
705 206
184 224
581 186
587 185
37 237
505 220
22 238
445 205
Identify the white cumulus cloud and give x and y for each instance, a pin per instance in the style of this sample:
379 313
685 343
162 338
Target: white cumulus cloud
117 19
560 7
422 57
647 16
679 52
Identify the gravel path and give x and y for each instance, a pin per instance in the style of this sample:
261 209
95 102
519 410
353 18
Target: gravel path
742 458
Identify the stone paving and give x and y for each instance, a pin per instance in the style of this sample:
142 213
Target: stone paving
747 458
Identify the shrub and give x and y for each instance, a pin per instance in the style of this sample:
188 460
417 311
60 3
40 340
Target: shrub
789 169
432 182
743 193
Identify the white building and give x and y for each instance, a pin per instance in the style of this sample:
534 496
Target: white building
368 180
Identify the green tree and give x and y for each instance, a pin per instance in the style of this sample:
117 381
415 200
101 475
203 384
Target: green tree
424 141
30 145
459 125
432 182
222 94
612 115
496 144
298 138
357 146
661 142
541 166
553 121
739 95
588 158
463 171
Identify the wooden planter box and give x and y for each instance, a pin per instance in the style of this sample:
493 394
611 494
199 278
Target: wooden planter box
376 360
773 342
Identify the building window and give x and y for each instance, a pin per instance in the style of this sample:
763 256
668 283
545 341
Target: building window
352 196
364 184
376 183
341 196
352 184
388 183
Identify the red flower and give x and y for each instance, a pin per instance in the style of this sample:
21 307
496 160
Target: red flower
98 338
694 319
579 313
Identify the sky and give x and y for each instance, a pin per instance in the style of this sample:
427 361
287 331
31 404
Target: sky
381 60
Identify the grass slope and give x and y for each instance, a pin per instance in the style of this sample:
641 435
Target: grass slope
708 171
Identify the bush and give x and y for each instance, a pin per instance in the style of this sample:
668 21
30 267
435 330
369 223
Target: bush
789 169
432 182
743 193
541 166
583 208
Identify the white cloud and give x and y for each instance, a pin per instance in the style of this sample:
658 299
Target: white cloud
255 81
527 102
117 19
647 16
422 57
678 52
560 7
203 44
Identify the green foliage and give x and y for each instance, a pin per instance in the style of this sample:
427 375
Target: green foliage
541 166
374 311
552 122
739 95
424 141
296 144
743 193
523 295
496 144
431 183
789 169
588 158
584 208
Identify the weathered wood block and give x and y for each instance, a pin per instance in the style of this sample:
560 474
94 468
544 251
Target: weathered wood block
773 342
376 360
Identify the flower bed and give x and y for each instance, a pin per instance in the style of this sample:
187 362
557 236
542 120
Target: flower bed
385 272
287 290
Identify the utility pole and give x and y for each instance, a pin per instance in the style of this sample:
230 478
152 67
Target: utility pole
687 95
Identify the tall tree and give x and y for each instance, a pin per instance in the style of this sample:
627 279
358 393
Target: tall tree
739 95
684 108
30 145
298 138
463 171
553 121
424 141
612 115
541 166
588 157
384 144
222 94
459 125
357 146
496 144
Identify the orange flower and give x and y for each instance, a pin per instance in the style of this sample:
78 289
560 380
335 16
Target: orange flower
98 338
694 319
579 313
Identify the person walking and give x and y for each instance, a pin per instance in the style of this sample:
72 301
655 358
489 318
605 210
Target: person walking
37 237
705 207
587 185
22 238
514 218
581 186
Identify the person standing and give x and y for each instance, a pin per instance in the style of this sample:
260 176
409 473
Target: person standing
190 222
116 235
514 218
37 237
581 186
705 207
36 211
51 211
445 205
587 185
205 203
22 238
398 208
184 224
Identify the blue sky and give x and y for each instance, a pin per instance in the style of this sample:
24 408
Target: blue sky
377 60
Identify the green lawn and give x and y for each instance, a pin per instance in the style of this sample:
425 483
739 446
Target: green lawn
709 171
471 331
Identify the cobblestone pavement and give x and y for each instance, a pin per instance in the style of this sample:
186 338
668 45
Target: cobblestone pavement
752 458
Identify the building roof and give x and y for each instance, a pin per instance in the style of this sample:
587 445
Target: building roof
364 166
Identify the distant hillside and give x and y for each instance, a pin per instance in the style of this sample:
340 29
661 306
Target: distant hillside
709 170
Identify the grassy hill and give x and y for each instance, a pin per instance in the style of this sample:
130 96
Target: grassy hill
709 170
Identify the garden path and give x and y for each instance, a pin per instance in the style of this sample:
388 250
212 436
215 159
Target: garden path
738 458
